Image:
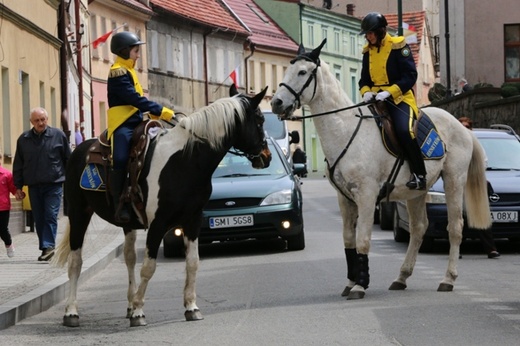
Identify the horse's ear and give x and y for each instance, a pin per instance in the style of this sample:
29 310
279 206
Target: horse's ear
301 49
315 54
233 90
255 101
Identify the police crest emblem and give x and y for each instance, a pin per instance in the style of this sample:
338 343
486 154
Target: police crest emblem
405 51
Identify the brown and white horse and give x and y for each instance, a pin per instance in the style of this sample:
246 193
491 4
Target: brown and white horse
352 146
176 189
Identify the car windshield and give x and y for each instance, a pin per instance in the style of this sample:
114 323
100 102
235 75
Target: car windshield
502 154
274 126
235 166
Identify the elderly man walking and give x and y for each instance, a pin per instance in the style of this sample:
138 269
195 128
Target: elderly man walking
41 156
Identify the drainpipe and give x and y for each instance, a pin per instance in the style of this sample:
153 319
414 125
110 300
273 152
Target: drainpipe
252 48
447 35
63 69
205 52
79 65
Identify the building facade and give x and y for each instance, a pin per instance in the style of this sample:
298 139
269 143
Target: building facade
30 68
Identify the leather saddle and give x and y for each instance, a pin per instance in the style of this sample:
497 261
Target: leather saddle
426 134
96 174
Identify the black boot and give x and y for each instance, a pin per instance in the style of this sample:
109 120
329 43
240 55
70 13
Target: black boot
414 155
117 180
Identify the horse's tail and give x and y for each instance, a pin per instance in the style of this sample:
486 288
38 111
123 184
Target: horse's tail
476 196
62 252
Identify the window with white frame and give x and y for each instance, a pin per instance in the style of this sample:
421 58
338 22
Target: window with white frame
310 32
512 52
154 48
324 31
337 42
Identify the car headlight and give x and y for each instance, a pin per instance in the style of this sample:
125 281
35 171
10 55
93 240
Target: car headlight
279 197
436 198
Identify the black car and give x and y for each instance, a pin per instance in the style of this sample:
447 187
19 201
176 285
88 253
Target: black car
248 203
502 146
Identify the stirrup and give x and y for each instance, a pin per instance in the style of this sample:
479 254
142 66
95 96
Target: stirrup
417 182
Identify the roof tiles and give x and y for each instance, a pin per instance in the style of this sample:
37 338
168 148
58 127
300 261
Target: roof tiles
415 19
207 12
265 32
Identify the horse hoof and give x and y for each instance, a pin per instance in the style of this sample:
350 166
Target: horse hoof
445 287
397 286
71 321
346 291
355 295
194 315
139 321
129 313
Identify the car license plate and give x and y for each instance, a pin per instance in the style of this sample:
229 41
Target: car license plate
504 216
231 221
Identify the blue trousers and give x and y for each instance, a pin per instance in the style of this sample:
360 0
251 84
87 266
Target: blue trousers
45 204
121 138
402 116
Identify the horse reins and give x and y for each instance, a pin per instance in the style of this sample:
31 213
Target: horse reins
309 80
297 100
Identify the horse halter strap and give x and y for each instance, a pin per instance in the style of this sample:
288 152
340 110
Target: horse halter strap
312 76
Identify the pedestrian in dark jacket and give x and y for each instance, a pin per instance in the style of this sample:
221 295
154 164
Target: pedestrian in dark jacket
299 156
39 162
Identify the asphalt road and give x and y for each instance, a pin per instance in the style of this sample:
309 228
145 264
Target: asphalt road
256 293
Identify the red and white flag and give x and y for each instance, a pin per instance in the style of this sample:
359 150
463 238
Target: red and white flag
102 39
410 27
410 33
235 77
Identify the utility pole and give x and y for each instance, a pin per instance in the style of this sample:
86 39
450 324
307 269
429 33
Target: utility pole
399 18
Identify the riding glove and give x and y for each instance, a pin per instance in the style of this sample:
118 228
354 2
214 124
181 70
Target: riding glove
383 95
167 114
368 96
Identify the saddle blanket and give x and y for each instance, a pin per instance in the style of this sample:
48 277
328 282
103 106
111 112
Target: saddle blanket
92 179
430 142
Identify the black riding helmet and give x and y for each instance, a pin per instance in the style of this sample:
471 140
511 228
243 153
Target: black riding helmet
372 22
121 43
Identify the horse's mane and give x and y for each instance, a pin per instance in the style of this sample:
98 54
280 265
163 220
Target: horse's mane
335 86
212 123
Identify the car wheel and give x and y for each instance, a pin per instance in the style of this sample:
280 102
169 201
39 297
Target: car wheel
296 242
400 234
173 246
386 214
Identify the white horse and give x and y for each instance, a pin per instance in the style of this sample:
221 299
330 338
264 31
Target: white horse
359 165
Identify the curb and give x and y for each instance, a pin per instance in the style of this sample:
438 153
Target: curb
55 291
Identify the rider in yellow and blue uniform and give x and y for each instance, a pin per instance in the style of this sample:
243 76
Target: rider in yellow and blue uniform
389 74
126 102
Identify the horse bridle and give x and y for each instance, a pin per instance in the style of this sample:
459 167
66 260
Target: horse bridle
309 80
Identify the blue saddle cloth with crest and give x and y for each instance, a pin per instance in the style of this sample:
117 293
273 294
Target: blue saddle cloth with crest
426 134
92 178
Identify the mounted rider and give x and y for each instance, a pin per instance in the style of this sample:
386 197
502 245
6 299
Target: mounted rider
126 103
389 74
